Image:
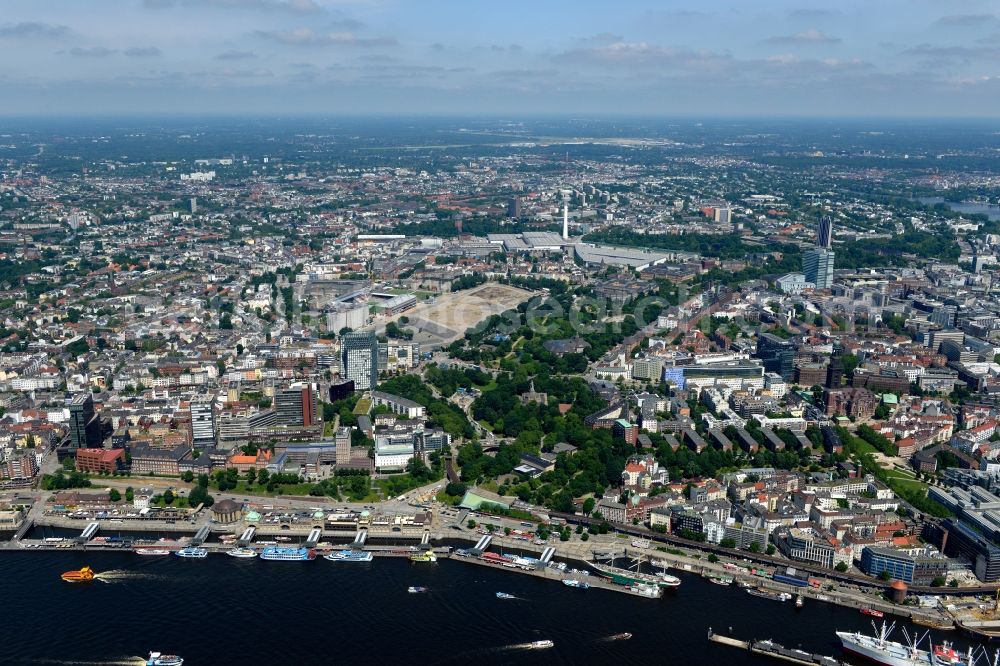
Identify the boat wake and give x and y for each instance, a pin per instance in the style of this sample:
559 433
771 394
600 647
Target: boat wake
119 661
122 576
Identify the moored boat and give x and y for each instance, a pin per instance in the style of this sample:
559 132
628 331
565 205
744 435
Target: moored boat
84 575
768 594
349 556
572 582
725 581
646 591
152 552
428 556
281 554
881 650
629 577
192 552
242 553
872 612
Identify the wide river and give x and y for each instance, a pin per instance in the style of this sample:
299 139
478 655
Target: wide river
221 610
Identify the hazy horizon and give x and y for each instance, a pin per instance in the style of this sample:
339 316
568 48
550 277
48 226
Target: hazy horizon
776 58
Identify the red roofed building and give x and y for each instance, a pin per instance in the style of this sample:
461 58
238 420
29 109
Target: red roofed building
96 461
242 462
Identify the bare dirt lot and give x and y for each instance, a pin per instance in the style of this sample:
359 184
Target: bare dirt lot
447 318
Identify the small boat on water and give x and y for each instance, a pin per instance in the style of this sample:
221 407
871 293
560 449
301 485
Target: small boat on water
572 582
428 556
242 553
84 575
283 539
725 581
799 601
624 636
768 594
152 552
349 556
192 552
159 659
541 645
646 591
873 612
414 589
504 595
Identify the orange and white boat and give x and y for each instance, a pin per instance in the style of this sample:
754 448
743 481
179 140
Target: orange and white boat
84 575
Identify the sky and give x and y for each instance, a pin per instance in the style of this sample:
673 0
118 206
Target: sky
802 58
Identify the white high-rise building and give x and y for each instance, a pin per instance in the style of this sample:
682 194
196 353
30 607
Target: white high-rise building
817 265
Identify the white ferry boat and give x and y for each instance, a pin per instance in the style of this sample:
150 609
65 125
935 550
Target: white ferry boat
349 556
242 553
287 554
192 552
152 552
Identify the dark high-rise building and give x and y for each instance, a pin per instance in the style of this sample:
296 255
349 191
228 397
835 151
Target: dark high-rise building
777 354
341 389
84 423
514 207
296 405
360 359
824 234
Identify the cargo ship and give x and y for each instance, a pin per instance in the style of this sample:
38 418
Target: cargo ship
242 553
159 659
429 556
282 554
192 552
880 650
84 575
349 556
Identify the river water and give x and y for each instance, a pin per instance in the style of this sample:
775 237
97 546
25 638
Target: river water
989 210
221 610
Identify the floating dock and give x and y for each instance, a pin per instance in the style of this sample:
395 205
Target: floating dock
776 651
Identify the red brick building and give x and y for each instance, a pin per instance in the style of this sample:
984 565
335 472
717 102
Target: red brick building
96 461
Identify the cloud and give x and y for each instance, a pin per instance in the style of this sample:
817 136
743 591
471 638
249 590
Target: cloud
292 6
32 30
954 52
810 36
236 55
965 20
518 74
810 14
91 52
142 52
642 54
310 37
600 38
